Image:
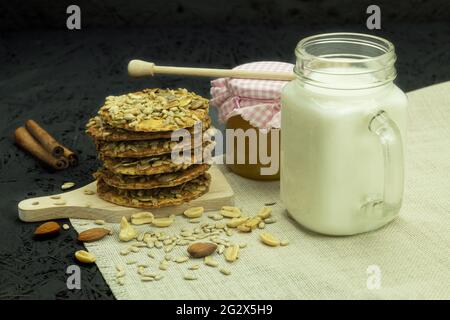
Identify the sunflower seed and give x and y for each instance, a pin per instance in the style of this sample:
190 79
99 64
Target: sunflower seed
190 276
209 261
120 274
119 267
134 249
225 271
124 252
270 220
147 279
181 259
163 265
67 185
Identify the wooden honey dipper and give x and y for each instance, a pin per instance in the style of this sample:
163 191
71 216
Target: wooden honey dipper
139 68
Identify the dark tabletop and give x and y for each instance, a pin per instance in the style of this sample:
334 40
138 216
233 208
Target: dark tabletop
60 78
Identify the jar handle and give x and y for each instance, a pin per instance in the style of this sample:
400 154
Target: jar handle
391 141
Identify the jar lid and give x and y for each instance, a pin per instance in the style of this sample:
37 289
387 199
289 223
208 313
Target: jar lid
257 101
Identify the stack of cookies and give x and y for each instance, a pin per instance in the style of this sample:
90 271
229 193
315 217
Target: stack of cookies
133 135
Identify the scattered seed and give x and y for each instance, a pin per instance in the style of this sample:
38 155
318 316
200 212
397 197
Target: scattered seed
159 277
121 281
65 226
242 245
268 204
270 220
190 276
209 261
284 242
163 265
134 249
151 255
129 262
124 252
99 222
186 233
119 267
168 257
181 259
261 225
142 265
225 271
169 248
85 257
147 279
195 212
194 220
60 202
230 212
35 203
55 197
220 225
67 185
269 239
231 253
88 192
194 267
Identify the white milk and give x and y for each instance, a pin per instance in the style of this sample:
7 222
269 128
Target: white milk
331 163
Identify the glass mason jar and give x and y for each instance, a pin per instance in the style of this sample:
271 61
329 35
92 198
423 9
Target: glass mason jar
343 125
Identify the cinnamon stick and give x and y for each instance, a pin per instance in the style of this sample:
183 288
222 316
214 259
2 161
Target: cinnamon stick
25 140
71 156
46 140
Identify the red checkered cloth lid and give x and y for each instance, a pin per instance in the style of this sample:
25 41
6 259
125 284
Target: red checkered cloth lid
257 101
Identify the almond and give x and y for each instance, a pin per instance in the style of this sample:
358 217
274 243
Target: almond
93 234
201 249
48 228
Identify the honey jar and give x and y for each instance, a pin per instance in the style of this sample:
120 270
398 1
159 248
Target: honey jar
251 169
252 106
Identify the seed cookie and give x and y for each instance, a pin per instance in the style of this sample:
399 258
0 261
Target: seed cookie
154 110
155 198
101 131
163 180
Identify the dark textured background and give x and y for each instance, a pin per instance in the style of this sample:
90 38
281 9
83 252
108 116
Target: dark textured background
60 77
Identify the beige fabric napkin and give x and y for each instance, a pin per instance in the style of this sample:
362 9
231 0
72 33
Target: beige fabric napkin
407 259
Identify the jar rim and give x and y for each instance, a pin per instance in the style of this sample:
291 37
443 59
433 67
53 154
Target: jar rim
345 54
389 48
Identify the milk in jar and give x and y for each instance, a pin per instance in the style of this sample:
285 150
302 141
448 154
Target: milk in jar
343 126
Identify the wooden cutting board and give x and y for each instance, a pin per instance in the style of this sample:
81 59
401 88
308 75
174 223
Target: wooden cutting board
80 205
